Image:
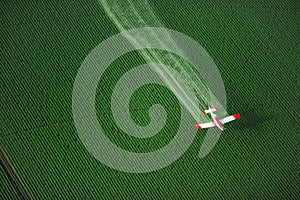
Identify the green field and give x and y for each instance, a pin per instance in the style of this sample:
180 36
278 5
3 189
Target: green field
256 46
7 189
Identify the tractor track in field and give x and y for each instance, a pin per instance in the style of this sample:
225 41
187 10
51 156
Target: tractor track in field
13 177
71 120
262 105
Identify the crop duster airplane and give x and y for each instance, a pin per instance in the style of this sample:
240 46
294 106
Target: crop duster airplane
215 120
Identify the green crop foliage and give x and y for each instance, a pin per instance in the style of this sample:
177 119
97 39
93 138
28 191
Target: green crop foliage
254 44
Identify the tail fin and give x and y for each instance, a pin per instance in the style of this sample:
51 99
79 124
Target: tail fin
211 109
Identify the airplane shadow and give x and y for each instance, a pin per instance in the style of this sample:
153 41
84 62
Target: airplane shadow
251 119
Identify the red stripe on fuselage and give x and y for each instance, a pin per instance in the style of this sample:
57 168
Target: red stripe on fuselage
218 122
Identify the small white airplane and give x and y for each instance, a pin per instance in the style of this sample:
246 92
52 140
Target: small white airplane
215 120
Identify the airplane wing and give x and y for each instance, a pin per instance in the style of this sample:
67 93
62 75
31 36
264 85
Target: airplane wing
230 118
205 125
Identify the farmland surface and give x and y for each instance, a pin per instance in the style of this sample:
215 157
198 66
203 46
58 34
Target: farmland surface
256 46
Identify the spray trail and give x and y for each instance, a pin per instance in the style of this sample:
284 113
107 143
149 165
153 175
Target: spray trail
127 15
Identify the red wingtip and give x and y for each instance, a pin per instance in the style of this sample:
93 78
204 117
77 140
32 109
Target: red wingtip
203 111
210 106
197 126
217 108
236 116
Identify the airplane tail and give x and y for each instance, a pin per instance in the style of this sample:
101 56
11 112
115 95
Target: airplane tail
210 110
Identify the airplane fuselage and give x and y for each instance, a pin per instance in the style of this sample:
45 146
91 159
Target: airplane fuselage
216 121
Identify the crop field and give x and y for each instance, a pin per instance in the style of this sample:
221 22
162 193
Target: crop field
254 44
